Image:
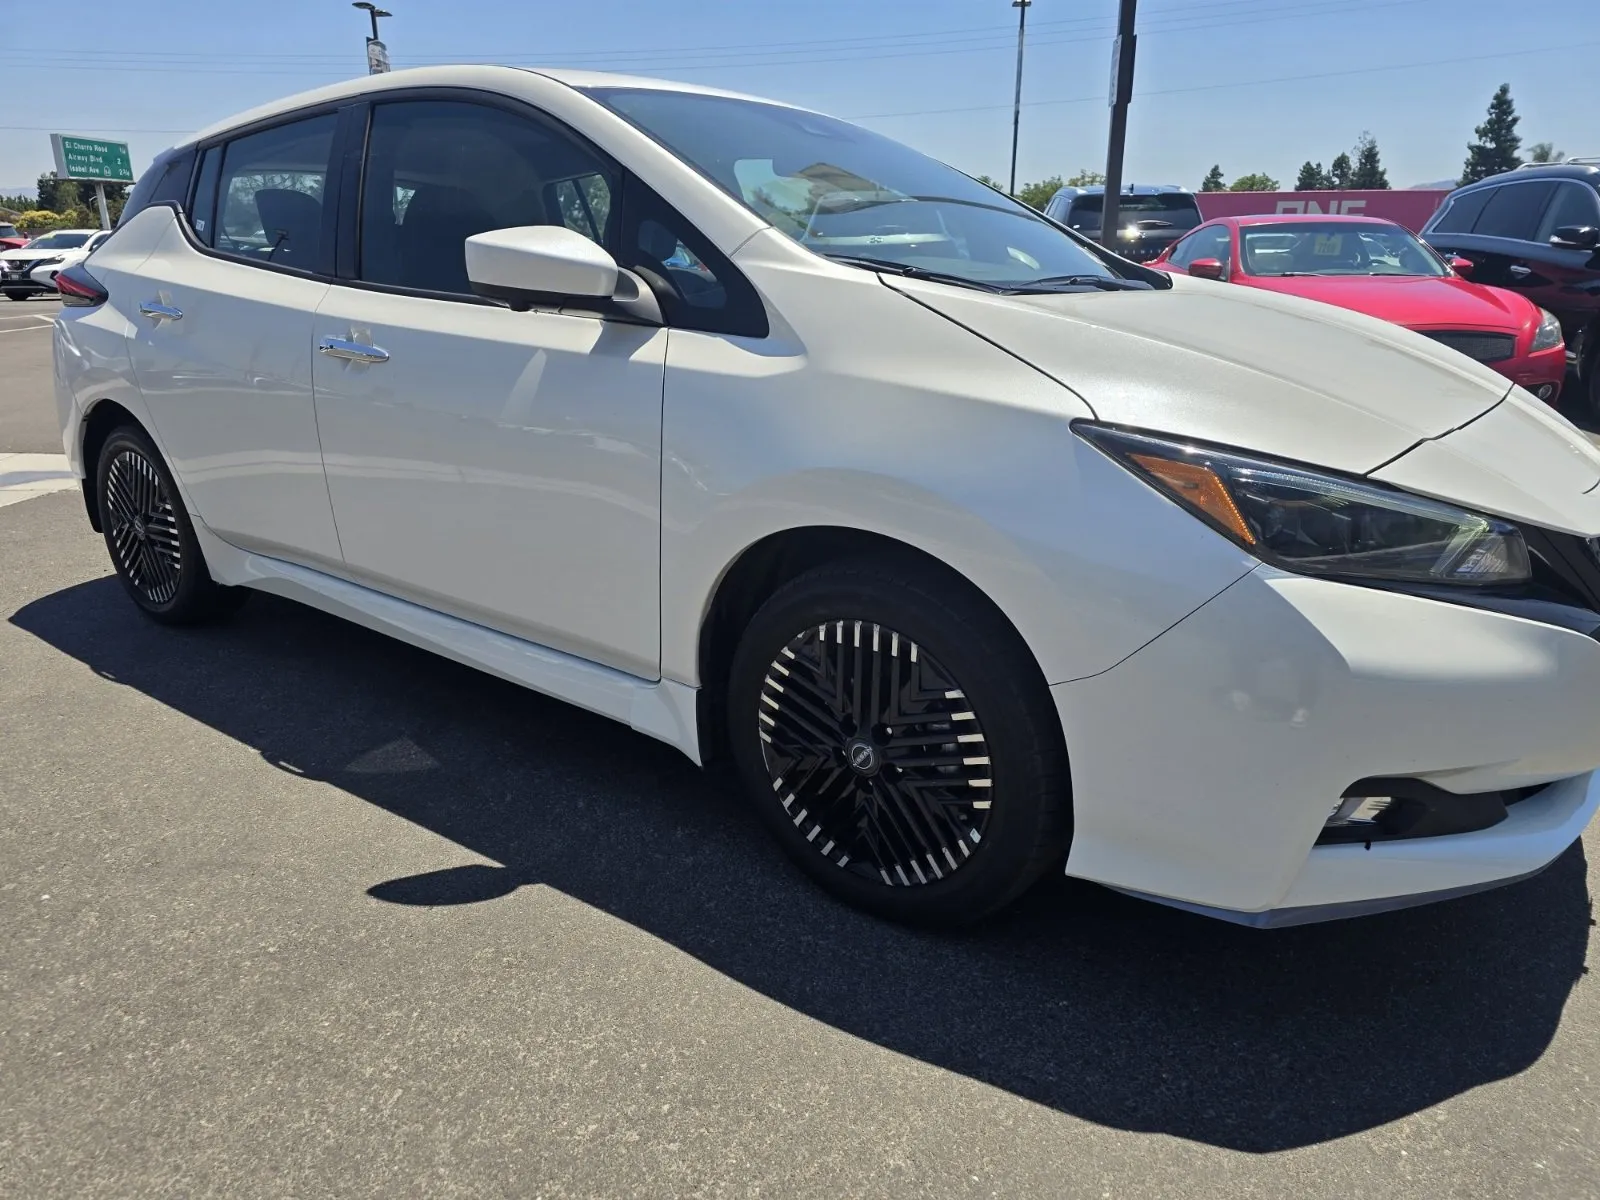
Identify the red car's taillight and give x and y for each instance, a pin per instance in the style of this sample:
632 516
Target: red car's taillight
79 289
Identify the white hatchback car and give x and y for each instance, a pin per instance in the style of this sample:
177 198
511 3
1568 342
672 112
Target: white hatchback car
979 548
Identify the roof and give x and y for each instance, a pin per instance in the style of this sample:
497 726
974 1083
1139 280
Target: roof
487 77
1127 189
1561 170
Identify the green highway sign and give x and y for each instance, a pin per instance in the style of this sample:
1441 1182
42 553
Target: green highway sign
91 158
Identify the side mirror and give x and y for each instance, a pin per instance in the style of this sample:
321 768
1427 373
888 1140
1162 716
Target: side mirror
1576 237
1206 268
1461 266
551 264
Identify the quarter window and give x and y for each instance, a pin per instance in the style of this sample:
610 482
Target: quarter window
1574 204
269 205
439 171
1462 212
1514 210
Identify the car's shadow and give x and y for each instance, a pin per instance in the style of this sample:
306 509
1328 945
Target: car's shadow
1112 1010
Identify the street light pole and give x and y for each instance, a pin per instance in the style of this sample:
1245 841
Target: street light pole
1022 7
1121 94
377 52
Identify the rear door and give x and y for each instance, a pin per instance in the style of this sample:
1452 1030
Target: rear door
1503 222
222 318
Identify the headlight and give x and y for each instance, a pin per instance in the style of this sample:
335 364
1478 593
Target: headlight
1548 336
1321 524
43 262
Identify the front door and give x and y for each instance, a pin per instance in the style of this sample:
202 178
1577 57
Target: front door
501 466
221 341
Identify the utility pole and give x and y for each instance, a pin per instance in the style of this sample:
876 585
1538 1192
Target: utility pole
1121 94
1022 7
377 52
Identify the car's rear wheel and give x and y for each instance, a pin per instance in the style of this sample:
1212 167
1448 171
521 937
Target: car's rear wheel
149 536
13 294
897 737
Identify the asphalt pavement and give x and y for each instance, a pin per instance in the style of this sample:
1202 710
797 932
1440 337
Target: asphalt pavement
291 909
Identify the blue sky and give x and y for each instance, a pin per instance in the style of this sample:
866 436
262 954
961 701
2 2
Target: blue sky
1257 85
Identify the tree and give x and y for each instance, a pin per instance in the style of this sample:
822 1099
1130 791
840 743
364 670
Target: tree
1037 195
1312 178
1369 173
1213 181
66 196
1340 172
1086 178
987 182
1539 152
1257 182
1495 151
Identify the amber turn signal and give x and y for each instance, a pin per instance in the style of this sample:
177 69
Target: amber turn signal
1198 486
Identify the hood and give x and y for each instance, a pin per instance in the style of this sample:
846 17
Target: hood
1519 460
31 255
1417 302
1275 374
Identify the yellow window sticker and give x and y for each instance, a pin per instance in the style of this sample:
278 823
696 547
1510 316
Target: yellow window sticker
1327 245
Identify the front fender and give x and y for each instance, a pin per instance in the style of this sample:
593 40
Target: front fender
873 413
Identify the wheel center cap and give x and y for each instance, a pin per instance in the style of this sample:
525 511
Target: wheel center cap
139 529
863 757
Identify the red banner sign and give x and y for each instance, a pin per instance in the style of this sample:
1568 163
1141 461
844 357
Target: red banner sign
1409 208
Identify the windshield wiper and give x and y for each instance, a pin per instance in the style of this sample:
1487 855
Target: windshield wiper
907 271
1105 283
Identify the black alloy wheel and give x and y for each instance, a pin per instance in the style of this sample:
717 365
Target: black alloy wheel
896 735
142 528
875 753
149 536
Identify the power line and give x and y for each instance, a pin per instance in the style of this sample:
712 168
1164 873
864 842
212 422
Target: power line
1211 87
709 61
656 52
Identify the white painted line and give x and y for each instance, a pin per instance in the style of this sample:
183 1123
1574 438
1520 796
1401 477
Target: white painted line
24 476
27 329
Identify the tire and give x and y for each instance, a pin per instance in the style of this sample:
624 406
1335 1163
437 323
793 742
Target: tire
935 802
15 295
150 538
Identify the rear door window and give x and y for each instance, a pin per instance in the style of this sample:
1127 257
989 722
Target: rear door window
270 190
1514 211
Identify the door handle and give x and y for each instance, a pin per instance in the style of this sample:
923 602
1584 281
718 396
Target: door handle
1518 271
161 312
336 347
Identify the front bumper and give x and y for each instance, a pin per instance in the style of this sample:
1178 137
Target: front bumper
1541 372
1205 765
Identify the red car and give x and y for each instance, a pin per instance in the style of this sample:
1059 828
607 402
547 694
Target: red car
1379 268
11 238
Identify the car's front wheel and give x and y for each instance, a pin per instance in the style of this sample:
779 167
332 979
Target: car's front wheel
149 536
897 737
15 294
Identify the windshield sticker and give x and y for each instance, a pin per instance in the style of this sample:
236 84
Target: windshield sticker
1327 245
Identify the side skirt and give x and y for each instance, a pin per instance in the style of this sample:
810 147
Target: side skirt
662 709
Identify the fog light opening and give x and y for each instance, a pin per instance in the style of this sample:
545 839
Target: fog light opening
1358 810
1545 390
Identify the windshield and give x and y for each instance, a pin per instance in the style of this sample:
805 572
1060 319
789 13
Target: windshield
58 241
7 230
845 192
1163 211
1335 248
